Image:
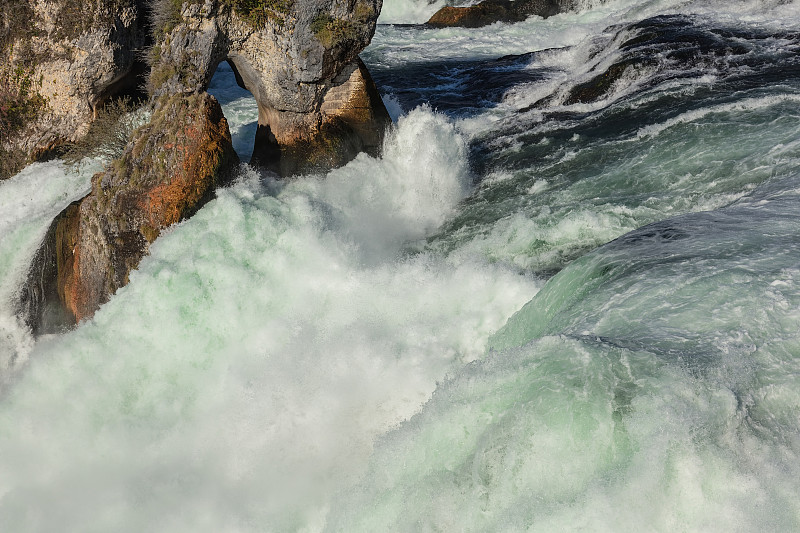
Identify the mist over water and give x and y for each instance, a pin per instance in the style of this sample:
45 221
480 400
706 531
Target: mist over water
529 314
28 203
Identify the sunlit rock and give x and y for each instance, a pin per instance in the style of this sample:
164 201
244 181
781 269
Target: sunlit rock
491 11
318 106
167 173
60 60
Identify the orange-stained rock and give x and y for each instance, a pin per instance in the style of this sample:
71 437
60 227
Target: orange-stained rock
491 11
41 297
481 14
351 119
318 108
168 172
298 65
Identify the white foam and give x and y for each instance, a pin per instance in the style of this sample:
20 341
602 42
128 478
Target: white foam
408 11
405 194
740 106
28 203
242 375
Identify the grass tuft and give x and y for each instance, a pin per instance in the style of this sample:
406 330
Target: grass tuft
110 132
259 12
331 31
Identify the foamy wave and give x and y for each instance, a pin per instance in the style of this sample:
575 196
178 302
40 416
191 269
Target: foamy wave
741 106
242 376
406 193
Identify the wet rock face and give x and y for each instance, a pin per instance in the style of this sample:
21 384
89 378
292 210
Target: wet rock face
61 60
300 62
165 175
491 11
41 297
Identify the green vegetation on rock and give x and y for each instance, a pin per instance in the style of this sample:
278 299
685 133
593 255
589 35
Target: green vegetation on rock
20 104
110 132
259 12
166 14
332 31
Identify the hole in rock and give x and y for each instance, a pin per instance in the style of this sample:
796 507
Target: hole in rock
239 107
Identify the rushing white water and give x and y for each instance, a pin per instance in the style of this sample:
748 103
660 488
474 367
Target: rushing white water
28 202
443 338
649 385
294 334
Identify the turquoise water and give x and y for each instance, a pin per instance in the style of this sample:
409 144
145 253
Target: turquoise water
650 385
529 314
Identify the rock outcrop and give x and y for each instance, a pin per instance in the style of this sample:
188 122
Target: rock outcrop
60 60
650 52
318 108
491 11
317 105
166 174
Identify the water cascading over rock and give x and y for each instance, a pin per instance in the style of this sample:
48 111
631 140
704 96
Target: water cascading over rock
318 108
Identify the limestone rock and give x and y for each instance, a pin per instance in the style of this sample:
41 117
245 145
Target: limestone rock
491 11
61 60
318 106
41 297
165 175
351 119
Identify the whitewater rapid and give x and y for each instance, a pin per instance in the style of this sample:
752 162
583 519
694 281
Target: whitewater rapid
281 334
526 315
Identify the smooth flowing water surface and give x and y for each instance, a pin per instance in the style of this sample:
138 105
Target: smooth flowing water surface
565 298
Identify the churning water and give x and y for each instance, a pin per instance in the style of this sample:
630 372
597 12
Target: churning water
566 297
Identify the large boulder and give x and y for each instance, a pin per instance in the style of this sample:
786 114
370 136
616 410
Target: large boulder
168 172
60 60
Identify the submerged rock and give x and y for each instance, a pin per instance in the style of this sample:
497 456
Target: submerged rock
165 175
651 51
491 11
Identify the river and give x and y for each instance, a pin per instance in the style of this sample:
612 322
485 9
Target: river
565 298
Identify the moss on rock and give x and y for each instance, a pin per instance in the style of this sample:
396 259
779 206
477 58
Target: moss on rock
259 12
20 104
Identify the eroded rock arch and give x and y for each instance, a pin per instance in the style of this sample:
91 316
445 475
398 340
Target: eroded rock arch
318 106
